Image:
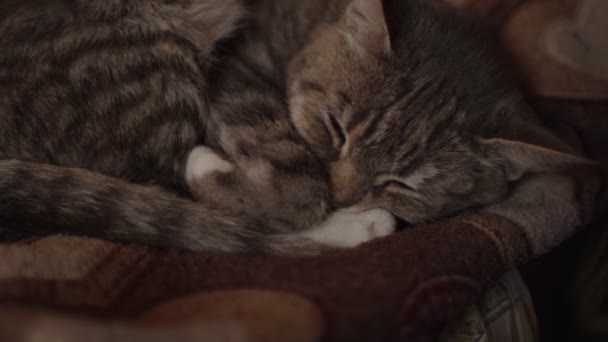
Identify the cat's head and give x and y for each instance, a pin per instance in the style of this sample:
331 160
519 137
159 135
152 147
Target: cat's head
403 100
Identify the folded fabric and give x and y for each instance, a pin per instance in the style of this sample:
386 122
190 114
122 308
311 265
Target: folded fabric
401 287
560 47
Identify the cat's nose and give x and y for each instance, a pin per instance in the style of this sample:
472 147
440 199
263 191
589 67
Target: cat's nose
347 185
345 197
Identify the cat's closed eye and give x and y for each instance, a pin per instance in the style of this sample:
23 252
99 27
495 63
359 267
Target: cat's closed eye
392 183
338 135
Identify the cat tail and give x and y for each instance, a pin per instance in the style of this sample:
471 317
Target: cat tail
39 198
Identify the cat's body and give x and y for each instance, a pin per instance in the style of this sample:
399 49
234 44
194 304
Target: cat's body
114 92
314 105
116 87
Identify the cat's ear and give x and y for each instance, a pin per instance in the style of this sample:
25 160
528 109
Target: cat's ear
366 26
519 158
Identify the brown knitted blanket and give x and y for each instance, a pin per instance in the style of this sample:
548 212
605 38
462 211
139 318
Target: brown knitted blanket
402 287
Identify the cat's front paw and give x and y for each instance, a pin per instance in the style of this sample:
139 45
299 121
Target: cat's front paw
344 229
202 161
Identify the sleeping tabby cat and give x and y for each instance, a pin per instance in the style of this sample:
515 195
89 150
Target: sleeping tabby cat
309 106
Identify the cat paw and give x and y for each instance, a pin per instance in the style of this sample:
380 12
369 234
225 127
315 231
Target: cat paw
344 229
202 161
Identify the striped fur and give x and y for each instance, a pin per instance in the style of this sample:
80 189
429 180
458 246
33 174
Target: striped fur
114 93
311 105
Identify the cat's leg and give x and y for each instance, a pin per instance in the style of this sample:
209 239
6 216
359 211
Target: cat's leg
202 161
344 229
214 180
285 202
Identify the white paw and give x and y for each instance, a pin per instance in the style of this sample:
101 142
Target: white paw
201 161
344 229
